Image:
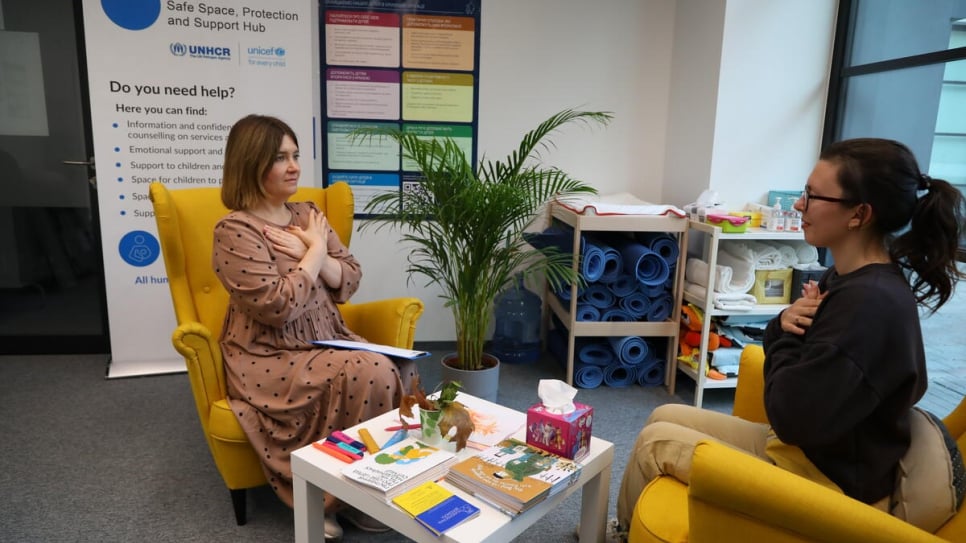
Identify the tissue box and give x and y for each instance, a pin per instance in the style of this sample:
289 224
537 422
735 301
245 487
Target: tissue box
565 435
773 286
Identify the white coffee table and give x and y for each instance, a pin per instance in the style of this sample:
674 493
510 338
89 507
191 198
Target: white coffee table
313 471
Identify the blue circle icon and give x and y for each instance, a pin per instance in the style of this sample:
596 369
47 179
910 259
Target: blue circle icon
132 14
139 248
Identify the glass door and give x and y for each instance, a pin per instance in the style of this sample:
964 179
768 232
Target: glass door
51 272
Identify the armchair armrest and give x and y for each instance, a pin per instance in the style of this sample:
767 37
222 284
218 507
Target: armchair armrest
750 392
389 322
742 498
202 356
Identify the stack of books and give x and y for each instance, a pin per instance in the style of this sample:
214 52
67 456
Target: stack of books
436 508
513 476
396 469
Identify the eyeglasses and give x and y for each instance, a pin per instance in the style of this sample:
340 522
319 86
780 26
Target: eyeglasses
806 197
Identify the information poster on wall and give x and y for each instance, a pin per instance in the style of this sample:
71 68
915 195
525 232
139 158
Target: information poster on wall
404 65
167 79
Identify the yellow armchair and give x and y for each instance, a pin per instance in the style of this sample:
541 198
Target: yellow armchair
735 497
186 219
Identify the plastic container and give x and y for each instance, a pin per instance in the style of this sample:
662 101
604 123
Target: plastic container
516 338
730 224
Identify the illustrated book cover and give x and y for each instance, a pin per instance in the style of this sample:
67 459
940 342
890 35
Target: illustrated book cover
492 422
514 476
398 468
435 507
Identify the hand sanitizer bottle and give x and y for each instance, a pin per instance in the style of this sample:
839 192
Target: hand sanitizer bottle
776 222
793 219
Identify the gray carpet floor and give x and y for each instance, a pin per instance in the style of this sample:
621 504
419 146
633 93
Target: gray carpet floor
90 459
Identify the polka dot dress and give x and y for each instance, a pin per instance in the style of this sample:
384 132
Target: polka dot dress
285 391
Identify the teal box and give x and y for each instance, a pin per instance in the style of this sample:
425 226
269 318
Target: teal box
785 195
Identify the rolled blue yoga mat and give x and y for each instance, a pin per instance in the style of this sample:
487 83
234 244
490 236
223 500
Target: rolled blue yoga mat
651 374
636 304
598 295
630 350
588 375
618 375
653 291
592 261
588 313
661 308
624 285
564 293
662 244
616 314
612 260
594 352
647 266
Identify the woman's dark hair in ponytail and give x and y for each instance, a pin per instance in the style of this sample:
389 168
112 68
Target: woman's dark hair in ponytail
884 174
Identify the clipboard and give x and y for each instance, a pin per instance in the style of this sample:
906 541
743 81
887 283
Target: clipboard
388 350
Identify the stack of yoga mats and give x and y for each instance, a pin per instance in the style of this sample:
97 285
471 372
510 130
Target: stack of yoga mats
626 278
611 361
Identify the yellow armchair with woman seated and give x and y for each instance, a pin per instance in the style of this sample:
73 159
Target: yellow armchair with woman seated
186 220
735 497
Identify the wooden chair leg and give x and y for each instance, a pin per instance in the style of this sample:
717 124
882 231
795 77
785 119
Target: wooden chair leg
238 502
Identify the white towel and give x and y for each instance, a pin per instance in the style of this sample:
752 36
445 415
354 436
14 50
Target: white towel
789 254
806 253
696 271
742 272
765 256
623 203
723 300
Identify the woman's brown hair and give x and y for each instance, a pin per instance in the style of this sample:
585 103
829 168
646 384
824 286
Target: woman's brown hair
250 151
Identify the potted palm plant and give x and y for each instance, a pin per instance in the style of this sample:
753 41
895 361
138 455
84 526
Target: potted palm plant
467 226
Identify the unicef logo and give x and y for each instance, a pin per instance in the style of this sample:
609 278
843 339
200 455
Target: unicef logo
178 49
280 51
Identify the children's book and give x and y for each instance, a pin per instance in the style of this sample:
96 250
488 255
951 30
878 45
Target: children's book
394 470
492 422
435 507
513 475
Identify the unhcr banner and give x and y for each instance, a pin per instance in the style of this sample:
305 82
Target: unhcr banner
167 79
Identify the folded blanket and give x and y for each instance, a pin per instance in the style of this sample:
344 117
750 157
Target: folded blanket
623 203
742 272
762 255
728 301
696 271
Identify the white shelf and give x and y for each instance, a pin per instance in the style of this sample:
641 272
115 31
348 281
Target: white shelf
713 236
631 224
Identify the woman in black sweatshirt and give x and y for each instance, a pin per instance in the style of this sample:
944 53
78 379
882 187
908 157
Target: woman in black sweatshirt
844 364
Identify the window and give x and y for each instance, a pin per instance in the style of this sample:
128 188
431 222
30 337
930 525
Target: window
899 72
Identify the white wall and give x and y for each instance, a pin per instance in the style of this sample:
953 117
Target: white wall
696 103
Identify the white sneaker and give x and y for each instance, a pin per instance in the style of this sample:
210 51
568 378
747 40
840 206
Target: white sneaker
333 530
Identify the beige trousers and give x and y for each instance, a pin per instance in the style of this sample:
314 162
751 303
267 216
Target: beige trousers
665 446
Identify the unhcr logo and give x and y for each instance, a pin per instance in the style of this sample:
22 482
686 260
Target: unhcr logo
210 52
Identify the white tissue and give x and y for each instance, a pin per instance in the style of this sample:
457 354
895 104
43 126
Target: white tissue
557 396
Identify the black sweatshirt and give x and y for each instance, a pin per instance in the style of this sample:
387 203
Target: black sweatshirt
842 392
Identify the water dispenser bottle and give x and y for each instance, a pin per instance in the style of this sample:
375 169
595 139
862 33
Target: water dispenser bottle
516 338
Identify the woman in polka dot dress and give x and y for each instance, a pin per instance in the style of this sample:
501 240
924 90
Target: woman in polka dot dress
286 270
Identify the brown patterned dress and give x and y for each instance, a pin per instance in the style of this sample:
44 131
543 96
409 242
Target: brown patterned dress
286 392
